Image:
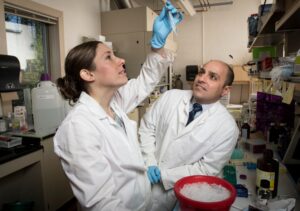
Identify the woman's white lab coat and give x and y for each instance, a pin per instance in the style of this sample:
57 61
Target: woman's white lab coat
203 147
102 161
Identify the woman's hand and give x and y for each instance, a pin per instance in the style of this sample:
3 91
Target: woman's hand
162 26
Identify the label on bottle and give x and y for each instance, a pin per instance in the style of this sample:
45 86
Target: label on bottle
245 133
270 176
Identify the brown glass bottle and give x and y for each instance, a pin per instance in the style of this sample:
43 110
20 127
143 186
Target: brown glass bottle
245 130
267 169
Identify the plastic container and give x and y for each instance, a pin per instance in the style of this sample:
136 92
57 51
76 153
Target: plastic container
187 204
47 108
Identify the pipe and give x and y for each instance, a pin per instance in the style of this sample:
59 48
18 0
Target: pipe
123 4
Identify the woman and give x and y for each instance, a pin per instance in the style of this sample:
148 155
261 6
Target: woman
96 142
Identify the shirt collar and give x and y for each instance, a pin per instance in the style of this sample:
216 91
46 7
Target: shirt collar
204 106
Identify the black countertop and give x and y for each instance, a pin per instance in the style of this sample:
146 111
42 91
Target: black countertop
28 145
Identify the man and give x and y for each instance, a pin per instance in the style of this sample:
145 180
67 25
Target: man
188 132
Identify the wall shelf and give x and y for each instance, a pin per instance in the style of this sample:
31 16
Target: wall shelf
290 20
266 40
266 36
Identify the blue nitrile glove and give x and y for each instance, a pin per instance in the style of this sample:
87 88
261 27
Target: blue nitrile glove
153 173
162 26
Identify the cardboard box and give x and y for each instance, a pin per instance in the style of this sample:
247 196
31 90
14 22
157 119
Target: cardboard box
6 101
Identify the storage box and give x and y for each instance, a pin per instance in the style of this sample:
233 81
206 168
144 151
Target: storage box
260 53
8 142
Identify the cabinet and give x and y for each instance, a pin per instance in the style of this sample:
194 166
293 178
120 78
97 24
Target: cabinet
57 190
130 31
21 180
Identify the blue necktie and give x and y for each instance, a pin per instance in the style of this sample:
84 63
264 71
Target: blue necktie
196 108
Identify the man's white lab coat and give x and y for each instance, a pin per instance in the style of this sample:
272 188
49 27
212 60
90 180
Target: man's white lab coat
102 161
201 148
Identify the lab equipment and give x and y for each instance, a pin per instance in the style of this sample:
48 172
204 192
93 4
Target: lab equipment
9 73
199 205
267 169
255 145
153 174
263 194
8 142
162 26
241 190
272 133
229 174
47 108
245 130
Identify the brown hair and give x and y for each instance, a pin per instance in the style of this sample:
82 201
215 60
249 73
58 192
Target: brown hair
78 58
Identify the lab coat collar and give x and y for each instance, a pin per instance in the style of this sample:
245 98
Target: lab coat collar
209 109
92 105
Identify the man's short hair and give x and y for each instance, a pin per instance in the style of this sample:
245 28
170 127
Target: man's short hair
230 75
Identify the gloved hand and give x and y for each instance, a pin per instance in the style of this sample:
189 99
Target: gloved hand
153 173
162 26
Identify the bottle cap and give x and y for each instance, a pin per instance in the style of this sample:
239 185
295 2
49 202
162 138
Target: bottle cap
272 124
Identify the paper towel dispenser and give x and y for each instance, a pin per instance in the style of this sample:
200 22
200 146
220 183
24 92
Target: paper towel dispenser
9 73
191 72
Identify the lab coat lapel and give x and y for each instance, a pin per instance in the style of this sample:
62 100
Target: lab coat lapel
198 121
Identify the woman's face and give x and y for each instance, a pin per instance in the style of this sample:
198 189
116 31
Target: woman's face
109 70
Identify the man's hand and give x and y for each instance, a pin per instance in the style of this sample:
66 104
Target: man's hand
153 173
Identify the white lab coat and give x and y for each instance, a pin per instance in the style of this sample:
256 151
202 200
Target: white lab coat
103 163
201 148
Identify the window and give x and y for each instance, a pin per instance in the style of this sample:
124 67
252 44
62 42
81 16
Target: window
27 39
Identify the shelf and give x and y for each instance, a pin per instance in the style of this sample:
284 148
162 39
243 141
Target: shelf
290 20
265 35
266 40
269 20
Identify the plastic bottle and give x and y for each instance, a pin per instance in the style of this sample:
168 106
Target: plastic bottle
245 130
272 134
9 121
267 169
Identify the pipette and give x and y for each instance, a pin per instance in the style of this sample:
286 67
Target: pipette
171 20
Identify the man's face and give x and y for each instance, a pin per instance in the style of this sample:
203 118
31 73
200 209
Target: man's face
209 84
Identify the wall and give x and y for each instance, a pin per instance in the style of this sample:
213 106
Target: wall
224 32
80 19
190 48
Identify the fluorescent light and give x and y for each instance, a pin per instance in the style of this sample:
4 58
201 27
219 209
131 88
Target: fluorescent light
186 6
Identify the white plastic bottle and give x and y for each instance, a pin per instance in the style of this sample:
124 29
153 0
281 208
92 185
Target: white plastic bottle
47 108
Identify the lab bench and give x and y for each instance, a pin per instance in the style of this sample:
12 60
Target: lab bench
32 172
286 184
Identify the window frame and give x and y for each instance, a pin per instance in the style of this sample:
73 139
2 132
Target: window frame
56 34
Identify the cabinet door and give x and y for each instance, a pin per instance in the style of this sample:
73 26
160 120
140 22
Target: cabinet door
56 185
131 47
